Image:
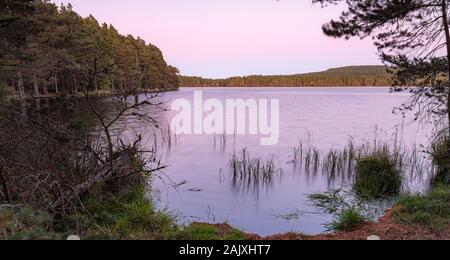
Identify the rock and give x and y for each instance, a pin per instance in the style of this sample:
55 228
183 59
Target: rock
73 238
374 238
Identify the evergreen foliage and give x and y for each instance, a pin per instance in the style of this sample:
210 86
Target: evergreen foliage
355 76
48 49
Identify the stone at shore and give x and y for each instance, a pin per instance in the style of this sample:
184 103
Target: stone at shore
73 238
373 238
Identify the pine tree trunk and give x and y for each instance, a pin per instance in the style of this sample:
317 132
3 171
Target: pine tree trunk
21 88
447 37
45 90
37 102
75 86
35 86
113 87
13 84
138 67
56 82
95 83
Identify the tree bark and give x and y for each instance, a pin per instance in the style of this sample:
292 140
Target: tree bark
45 89
95 83
35 86
447 38
21 88
75 86
13 84
37 101
56 82
113 87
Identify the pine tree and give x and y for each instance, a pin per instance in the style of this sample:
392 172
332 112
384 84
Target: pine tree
49 49
411 35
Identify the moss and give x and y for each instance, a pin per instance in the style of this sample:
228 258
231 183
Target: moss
199 231
235 235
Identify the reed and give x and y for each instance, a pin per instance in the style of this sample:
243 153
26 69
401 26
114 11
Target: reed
220 142
307 158
251 174
342 164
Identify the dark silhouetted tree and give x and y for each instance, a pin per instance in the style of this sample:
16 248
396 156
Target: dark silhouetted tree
412 36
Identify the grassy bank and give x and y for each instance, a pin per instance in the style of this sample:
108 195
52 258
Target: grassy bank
127 214
130 215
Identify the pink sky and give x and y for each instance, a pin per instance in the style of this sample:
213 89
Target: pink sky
220 38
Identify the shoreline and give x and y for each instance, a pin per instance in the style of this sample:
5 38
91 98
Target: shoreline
94 94
386 228
288 87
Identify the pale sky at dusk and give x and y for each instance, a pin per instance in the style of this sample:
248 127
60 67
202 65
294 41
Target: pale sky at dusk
220 38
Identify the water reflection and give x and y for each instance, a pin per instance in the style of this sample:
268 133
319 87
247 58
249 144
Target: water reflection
324 119
235 179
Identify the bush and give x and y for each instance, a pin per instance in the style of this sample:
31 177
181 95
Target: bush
26 223
377 175
347 221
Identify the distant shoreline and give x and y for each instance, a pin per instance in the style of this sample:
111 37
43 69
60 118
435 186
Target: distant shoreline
353 76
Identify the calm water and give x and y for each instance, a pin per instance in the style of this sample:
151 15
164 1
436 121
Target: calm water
323 117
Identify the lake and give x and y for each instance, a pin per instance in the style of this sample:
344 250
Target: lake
325 118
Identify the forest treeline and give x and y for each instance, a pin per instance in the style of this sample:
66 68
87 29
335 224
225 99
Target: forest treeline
48 49
363 76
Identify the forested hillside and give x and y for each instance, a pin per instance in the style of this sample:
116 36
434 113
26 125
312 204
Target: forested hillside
347 76
47 49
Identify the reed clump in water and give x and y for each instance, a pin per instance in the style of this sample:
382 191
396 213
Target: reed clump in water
309 158
251 174
345 165
334 163
440 153
378 174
